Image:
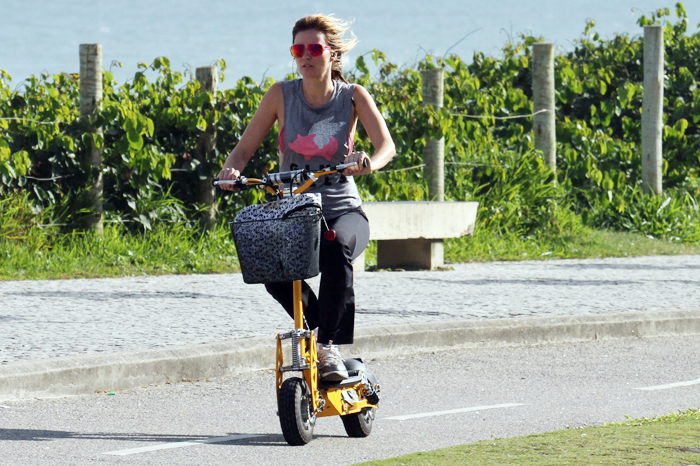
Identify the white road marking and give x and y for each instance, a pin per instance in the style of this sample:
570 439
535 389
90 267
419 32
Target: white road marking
453 411
165 446
671 385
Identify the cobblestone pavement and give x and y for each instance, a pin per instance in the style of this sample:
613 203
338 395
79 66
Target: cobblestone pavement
49 319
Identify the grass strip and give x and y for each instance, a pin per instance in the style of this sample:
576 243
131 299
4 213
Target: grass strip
175 249
117 253
673 439
587 243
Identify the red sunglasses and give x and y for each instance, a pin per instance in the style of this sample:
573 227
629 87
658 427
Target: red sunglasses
315 50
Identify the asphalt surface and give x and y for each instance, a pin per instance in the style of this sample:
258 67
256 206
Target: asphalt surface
428 400
77 336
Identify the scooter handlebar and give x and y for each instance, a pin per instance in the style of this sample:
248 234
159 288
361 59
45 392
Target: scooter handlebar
285 177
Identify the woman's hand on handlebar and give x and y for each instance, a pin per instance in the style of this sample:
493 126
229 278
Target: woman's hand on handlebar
228 174
363 167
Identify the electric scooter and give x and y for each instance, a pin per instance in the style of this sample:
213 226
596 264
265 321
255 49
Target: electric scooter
303 398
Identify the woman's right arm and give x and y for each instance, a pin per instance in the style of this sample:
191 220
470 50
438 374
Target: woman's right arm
270 110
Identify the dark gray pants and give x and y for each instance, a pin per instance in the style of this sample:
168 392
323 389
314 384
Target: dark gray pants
333 311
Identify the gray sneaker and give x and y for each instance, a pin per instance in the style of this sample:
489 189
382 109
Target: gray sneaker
330 364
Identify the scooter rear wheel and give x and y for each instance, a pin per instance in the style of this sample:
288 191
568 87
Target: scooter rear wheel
359 424
295 411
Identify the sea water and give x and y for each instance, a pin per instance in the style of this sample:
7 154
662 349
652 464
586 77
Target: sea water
253 37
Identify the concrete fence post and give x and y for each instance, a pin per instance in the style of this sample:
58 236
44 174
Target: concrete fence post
424 253
652 109
206 193
434 153
543 97
90 103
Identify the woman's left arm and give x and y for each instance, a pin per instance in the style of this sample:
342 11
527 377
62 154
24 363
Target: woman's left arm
375 126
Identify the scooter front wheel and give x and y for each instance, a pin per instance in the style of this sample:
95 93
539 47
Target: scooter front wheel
296 412
359 424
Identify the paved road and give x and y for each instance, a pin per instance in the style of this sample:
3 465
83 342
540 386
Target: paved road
54 319
501 392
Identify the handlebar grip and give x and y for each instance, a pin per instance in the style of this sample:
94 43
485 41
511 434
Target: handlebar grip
365 162
217 182
238 183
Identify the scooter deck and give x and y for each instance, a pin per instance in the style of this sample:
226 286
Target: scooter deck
348 382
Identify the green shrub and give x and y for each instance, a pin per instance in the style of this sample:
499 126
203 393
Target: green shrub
152 126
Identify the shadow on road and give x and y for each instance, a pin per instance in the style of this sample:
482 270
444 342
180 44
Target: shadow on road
564 264
111 295
49 435
536 281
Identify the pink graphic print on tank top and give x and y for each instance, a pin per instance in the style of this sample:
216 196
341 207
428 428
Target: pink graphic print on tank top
321 141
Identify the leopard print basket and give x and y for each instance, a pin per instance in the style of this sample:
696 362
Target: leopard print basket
279 241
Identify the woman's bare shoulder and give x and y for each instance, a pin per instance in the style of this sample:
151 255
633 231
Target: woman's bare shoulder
275 90
273 100
359 91
362 97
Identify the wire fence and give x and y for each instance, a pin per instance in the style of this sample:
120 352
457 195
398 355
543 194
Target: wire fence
422 165
463 115
510 117
415 167
32 120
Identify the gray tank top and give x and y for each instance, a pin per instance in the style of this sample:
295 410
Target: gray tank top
319 137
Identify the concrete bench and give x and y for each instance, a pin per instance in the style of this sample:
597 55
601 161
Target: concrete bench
410 234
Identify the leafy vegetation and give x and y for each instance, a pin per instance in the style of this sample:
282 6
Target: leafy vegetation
151 127
32 251
32 248
598 100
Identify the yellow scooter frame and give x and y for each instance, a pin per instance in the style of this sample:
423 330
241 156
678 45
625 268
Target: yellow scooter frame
325 401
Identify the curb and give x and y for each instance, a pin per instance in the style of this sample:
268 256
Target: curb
88 374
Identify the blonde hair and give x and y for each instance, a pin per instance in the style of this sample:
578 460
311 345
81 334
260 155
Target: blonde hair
333 29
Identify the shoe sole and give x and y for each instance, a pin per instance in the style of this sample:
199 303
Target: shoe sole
334 376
